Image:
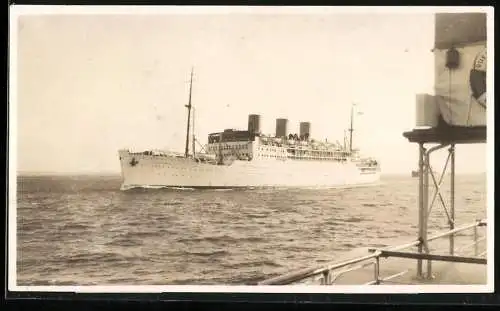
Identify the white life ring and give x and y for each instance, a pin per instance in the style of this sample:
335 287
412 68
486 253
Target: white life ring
477 78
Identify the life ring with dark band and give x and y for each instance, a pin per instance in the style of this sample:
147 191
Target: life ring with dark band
477 78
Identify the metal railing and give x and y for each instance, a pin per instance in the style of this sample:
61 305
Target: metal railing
329 273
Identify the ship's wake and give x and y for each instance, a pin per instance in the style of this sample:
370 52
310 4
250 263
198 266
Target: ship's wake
155 187
261 188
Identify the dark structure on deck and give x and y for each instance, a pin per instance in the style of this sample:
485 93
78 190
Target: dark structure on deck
452 30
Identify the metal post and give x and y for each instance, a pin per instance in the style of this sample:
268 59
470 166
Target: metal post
476 247
326 278
194 137
377 270
426 210
452 198
188 106
420 205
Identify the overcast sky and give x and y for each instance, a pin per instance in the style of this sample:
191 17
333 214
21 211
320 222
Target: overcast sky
90 85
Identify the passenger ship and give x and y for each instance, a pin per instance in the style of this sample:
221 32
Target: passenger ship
247 158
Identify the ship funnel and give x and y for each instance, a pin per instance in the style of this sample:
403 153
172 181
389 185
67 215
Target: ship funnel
305 130
254 124
281 127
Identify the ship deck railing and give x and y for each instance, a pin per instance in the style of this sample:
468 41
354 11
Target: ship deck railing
356 271
155 152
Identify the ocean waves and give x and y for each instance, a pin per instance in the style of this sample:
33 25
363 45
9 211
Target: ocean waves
83 230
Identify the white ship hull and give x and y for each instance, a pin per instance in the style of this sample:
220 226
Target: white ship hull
177 171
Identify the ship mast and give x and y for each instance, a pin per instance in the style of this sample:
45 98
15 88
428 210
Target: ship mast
194 137
188 106
351 129
345 140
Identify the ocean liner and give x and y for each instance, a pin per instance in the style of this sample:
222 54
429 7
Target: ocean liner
247 158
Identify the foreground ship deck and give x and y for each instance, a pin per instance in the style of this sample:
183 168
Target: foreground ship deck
463 263
463 259
395 264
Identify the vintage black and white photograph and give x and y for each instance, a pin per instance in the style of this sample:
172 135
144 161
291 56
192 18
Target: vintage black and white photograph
335 149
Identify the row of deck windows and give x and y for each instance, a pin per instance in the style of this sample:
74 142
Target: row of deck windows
302 154
226 147
277 156
163 166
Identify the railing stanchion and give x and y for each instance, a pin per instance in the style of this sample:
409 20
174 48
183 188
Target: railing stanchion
476 246
377 270
326 277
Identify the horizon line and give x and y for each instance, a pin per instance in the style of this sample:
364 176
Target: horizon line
118 173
